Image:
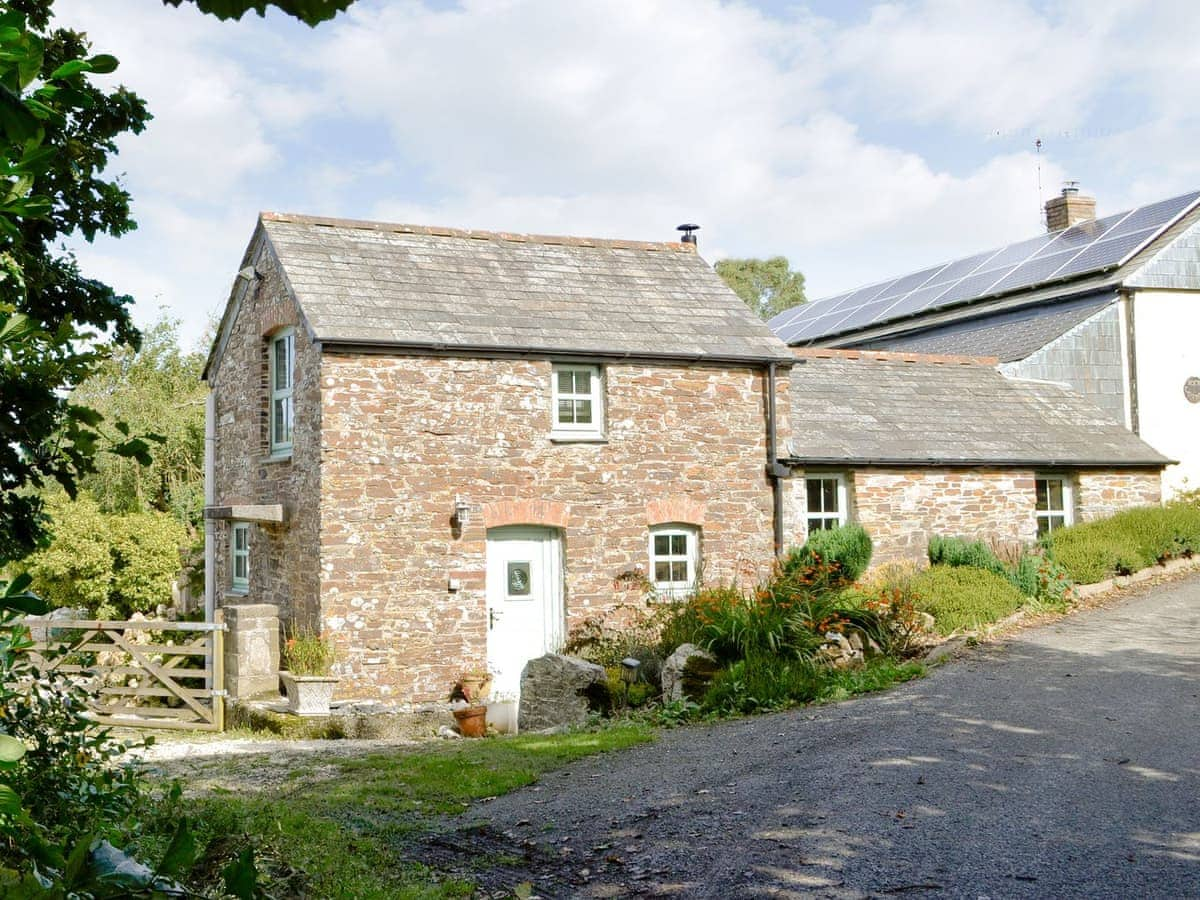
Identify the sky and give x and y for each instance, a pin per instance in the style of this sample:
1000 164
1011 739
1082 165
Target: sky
859 140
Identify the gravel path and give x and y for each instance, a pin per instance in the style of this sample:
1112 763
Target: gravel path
1064 762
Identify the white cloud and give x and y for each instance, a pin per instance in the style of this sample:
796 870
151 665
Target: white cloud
793 135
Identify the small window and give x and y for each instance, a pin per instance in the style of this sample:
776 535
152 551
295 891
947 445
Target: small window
240 557
282 372
826 502
1054 503
578 402
674 553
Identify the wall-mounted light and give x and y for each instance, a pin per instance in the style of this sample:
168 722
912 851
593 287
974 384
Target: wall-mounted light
631 669
249 273
462 512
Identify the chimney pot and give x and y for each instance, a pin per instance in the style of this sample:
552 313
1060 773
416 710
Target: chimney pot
689 233
1070 208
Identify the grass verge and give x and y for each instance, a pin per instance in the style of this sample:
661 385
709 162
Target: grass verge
342 828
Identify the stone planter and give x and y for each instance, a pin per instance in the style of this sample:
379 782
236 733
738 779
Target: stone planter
308 695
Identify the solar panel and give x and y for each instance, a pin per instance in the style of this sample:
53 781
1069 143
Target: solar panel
1083 248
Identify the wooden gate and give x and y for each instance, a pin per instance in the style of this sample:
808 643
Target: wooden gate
138 682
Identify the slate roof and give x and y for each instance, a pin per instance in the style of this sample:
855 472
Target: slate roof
851 406
1009 336
375 284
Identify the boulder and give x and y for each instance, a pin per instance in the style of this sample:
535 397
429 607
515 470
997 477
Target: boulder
687 673
561 690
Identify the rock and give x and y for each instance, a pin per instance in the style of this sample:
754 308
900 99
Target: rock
445 731
561 690
856 641
927 621
945 649
873 648
687 673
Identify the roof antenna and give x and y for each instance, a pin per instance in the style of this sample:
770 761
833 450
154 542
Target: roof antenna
1037 145
689 233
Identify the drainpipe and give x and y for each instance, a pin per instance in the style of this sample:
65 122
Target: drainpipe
773 467
210 546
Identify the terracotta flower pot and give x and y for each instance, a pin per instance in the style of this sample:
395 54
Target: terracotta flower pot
472 721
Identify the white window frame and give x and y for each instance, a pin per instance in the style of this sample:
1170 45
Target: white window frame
281 445
1046 516
837 517
576 431
239 584
674 589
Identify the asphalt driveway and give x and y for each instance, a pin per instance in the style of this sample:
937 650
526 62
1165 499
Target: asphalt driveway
1062 763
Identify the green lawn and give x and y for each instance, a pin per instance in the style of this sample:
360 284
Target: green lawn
341 828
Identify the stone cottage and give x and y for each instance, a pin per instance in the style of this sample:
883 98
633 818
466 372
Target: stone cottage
1109 306
447 448
914 445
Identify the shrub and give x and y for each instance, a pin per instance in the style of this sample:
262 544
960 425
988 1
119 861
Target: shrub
847 548
764 682
965 598
626 631
112 565
954 551
65 779
1121 544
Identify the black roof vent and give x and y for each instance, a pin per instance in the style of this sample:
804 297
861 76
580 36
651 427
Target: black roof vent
689 233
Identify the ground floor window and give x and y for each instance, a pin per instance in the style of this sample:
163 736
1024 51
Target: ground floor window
240 557
674 555
1054 506
827 506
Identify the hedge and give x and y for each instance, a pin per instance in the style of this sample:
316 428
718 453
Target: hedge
1122 544
962 597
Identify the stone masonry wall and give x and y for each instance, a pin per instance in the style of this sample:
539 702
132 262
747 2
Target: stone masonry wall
1100 494
405 436
283 559
902 508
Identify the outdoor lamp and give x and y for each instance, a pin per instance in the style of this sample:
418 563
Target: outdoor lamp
630 668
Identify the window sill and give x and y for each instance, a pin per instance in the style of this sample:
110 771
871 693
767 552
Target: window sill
277 458
576 437
236 594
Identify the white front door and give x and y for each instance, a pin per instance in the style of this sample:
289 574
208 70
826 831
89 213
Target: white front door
525 602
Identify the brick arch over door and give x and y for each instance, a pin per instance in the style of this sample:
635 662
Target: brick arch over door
525 512
663 510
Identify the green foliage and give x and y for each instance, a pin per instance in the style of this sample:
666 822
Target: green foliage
152 388
1033 574
760 683
59 133
1122 544
875 675
307 653
768 286
60 784
114 565
847 548
960 597
627 631
310 12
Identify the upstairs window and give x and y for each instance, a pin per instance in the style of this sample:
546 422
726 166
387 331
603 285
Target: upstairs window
240 557
577 401
827 506
1055 508
674 555
281 366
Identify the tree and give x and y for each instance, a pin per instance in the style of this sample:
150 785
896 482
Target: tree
152 388
58 131
310 12
769 286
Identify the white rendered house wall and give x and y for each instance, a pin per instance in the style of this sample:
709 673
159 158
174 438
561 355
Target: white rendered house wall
1166 327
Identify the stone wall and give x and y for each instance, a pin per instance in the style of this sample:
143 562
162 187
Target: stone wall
902 508
1100 494
283 559
404 437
